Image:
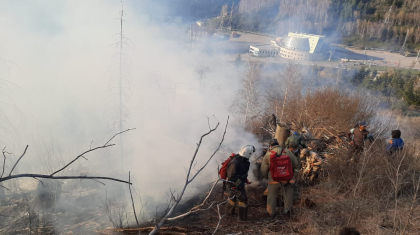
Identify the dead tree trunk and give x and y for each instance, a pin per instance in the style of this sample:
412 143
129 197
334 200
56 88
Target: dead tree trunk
282 133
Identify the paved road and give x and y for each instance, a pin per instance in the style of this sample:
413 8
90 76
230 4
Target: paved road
381 60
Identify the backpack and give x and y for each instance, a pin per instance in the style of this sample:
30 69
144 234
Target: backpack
225 165
281 168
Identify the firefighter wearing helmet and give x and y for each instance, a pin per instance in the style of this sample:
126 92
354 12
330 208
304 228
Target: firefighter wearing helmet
237 175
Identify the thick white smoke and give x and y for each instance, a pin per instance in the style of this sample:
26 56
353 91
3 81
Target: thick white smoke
64 58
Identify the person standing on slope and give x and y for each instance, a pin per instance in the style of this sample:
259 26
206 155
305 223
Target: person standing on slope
279 166
237 175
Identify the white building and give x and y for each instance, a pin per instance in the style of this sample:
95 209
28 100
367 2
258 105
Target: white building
300 46
263 51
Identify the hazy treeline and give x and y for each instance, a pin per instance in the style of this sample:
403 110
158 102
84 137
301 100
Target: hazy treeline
357 21
400 87
250 6
404 85
381 20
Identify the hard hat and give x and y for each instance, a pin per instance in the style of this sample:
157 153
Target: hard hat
396 134
247 151
363 123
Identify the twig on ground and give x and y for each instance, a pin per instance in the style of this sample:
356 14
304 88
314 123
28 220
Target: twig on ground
198 207
220 216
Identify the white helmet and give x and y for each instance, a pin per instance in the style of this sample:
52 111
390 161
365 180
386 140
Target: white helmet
247 151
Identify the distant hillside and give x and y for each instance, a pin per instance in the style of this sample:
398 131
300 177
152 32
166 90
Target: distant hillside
375 23
372 23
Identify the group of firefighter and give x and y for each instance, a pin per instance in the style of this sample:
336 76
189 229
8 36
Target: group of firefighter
282 165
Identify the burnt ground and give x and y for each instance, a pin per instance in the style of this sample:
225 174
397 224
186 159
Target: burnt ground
78 211
259 222
318 209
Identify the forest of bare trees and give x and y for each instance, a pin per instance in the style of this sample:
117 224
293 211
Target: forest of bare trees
388 21
250 6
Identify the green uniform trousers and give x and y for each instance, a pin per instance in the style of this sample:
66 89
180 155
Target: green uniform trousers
273 192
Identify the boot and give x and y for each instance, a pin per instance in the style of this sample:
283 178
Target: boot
242 213
230 208
287 214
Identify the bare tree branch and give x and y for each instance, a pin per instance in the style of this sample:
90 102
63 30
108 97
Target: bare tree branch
18 160
4 187
59 177
40 182
90 150
98 181
4 160
35 176
132 200
187 180
218 147
118 134
208 122
81 155
220 216
197 208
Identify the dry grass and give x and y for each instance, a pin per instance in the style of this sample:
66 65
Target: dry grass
323 110
327 108
374 192
371 191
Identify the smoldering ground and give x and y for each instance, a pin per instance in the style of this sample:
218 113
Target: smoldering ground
64 58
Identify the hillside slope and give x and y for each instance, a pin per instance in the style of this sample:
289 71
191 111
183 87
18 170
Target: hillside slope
382 23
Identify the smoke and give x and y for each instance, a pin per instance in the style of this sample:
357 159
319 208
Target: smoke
60 60
64 68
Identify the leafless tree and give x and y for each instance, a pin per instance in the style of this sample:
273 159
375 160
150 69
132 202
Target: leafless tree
251 6
190 177
247 103
54 174
119 84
